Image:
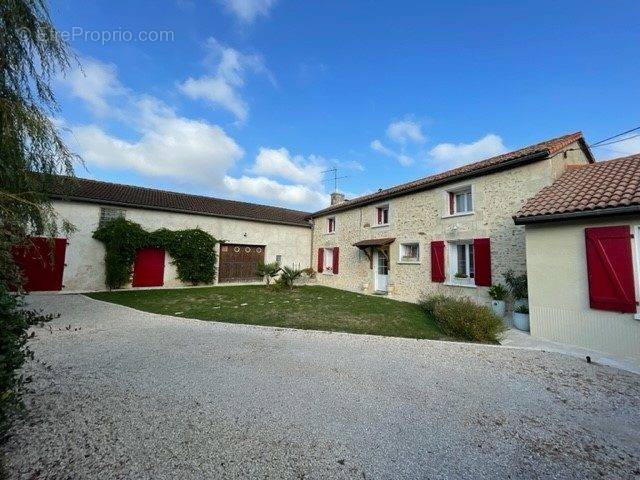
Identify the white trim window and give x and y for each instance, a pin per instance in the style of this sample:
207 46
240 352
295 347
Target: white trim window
327 268
461 268
381 218
461 201
331 225
409 252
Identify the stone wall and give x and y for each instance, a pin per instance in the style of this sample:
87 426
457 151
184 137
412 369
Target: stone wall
423 217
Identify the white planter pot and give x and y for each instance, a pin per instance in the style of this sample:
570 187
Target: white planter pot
519 302
521 321
498 307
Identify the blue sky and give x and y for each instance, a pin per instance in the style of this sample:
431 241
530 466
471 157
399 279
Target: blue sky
253 99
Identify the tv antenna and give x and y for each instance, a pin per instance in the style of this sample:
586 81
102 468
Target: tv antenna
334 177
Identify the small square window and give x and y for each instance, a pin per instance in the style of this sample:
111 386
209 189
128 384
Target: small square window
410 252
382 215
107 214
331 224
279 259
461 201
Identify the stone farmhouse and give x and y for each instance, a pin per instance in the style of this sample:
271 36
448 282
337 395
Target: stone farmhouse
450 233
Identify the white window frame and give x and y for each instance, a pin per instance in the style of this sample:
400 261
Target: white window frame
458 190
452 254
409 262
375 215
327 267
335 224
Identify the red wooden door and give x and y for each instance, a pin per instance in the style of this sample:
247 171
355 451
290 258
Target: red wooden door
148 268
42 263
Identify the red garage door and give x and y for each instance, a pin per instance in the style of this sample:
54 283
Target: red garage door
42 263
148 268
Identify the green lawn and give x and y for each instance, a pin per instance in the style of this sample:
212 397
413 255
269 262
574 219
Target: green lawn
308 307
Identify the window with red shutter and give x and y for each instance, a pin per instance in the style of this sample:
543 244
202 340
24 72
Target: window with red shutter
610 269
320 260
437 261
482 261
336 261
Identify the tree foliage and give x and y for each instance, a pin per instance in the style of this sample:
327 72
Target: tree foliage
31 152
192 250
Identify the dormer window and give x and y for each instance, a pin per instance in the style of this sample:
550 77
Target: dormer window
460 201
382 215
331 225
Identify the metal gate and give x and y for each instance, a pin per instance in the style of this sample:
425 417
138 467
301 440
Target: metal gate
239 263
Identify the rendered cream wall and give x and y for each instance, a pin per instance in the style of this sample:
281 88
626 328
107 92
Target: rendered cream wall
85 256
421 217
559 291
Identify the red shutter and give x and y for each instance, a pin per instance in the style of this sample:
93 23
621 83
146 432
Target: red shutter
610 269
452 199
320 260
379 210
336 261
482 261
437 261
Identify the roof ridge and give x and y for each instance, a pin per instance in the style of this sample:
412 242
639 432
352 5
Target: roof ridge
172 192
552 145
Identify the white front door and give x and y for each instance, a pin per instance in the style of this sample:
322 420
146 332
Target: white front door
381 271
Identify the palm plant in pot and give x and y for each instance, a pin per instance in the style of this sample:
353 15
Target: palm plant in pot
498 293
519 290
521 318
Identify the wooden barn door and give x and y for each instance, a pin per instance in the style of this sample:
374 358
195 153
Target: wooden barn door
42 263
239 263
148 268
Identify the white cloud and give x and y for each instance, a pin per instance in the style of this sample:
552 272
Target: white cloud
621 149
406 131
222 87
280 163
95 84
248 10
170 146
165 144
404 160
453 154
300 196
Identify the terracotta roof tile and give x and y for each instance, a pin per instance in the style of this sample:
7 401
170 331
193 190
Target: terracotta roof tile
94 191
598 186
548 147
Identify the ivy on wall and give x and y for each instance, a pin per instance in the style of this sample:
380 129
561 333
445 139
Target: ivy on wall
193 251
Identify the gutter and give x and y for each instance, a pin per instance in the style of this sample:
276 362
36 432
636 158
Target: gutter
70 198
557 217
516 162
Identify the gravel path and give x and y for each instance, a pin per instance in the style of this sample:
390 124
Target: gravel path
137 395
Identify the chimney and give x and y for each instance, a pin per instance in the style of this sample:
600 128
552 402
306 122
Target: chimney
337 198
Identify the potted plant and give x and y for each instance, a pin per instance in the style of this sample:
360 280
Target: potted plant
518 286
521 318
498 293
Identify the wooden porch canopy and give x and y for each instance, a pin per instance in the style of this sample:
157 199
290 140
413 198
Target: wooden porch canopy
373 242
367 246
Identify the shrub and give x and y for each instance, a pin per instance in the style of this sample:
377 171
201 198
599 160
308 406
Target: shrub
522 309
268 271
498 292
464 319
517 284
14 324
290 275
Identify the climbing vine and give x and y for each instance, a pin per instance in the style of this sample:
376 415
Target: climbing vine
193 251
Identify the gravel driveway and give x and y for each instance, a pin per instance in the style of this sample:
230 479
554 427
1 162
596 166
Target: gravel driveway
137 395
